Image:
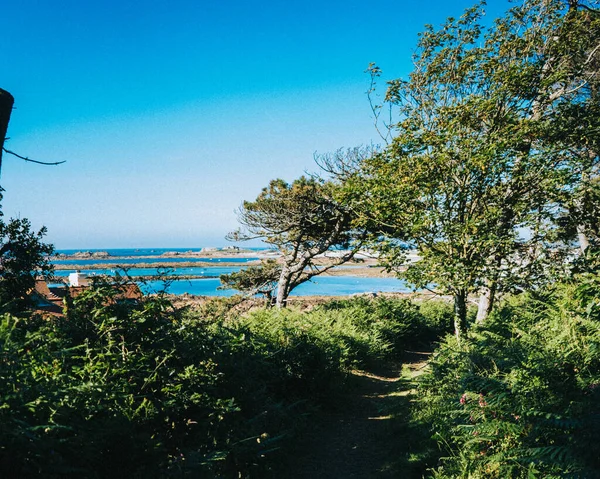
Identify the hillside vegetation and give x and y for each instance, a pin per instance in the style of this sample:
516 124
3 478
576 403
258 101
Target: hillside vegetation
142 390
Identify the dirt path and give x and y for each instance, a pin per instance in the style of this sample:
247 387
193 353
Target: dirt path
358 436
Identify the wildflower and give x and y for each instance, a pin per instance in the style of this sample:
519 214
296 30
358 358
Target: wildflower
463 398
482 402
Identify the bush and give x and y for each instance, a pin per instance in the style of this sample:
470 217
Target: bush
139 389
399 322
519 398
114 389
23 257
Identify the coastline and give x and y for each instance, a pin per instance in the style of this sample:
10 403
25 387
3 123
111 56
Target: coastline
363 266
196 273
303 303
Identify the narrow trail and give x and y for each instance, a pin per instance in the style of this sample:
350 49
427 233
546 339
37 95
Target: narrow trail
358 436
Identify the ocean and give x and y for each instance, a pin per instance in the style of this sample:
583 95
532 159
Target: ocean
206 281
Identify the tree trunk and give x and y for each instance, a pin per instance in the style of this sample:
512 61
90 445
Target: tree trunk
486 302
6 105
460 314
269 300
583 239
283 287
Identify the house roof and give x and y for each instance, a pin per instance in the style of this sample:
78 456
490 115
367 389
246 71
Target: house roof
46 301
50 300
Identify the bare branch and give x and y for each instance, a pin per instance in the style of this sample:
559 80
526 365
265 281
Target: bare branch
375 72
592 53
32 161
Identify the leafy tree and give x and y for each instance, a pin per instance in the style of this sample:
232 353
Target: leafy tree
479 153
302 220
23 257
261 279
576 126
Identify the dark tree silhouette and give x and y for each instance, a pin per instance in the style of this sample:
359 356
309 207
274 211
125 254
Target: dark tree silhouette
6 106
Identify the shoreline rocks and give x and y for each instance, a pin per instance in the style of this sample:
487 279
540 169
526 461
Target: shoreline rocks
84 255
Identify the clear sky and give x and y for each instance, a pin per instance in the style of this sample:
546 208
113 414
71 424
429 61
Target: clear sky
170 114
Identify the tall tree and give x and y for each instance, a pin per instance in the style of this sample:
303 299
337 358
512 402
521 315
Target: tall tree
471 163
576 117
302 220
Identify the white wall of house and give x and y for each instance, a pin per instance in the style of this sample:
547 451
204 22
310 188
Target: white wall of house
78 279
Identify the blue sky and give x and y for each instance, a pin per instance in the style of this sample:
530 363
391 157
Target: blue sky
170 114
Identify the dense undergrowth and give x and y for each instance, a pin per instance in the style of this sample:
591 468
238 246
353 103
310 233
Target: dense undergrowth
520 397
143 390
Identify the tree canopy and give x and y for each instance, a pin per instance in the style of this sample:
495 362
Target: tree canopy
495 137
301 220
261 279
23 257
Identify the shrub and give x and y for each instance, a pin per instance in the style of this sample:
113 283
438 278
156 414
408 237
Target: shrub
113 387
400 322
139 389
519 398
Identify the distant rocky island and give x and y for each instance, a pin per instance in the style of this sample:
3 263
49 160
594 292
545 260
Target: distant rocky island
363 265
225 252
83 255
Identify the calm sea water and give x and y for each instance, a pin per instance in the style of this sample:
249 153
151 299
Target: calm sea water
175 259
321 285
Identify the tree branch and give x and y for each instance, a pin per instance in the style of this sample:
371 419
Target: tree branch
32 161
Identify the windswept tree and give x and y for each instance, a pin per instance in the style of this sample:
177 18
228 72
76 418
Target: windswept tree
301 220
478 156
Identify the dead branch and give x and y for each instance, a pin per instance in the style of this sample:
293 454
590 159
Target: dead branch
33 161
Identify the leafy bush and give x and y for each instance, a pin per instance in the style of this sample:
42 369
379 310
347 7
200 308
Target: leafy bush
113 387
138 389
520 397
23 257
304 354
399 322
